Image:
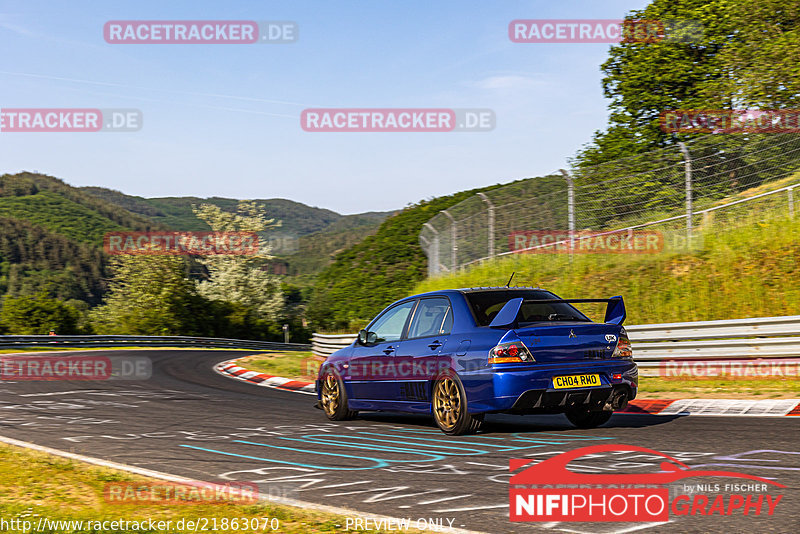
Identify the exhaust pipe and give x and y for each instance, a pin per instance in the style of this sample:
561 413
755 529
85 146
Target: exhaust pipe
619 401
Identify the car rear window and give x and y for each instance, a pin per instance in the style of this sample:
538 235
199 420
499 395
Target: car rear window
486 305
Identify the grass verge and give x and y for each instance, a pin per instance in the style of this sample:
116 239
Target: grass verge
740 267
301 365
35 485
708 388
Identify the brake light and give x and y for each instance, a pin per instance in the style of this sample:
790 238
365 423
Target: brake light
623 349
513 352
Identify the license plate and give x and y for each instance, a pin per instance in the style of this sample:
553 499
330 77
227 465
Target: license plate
576 381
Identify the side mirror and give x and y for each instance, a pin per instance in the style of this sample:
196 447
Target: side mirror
367 338
362 337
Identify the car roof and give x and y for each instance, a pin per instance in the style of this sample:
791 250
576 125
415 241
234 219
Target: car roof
465 290
498 288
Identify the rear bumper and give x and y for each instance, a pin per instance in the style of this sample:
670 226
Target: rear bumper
531 390
545 401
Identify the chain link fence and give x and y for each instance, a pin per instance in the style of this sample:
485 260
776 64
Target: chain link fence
665 199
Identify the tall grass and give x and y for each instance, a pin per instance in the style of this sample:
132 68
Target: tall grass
745 263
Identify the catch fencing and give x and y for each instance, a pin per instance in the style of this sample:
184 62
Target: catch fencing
764 340
674 195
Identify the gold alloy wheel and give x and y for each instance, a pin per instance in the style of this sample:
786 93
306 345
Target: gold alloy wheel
446 403
330 395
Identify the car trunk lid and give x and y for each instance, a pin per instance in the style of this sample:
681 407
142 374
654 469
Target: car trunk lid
569 341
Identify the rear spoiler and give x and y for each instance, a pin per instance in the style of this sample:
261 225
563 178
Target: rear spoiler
507 316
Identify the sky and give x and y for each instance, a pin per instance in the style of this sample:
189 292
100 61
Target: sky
225 119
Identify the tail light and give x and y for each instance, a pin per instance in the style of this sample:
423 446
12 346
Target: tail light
623 349
512 352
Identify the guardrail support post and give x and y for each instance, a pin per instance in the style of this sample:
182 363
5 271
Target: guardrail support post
454 243
688 160
570 210
490 211
791 201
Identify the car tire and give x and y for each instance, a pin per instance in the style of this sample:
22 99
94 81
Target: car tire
588 418
333 399
449 407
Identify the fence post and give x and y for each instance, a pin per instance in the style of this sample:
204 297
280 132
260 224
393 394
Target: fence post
490 209
433 254
453 244
689 211
427 247
791 201
570 210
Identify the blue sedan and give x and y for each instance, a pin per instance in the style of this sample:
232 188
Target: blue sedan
460 354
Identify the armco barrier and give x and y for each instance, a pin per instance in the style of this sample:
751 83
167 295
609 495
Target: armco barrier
766 338
11 342
326 344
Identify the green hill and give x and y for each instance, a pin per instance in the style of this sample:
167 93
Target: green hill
34 259
52 233
321 232
51 237
176 212
60 215
383 267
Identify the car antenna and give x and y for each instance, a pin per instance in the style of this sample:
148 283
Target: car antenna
508 284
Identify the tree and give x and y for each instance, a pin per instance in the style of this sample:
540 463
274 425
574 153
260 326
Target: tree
642 79
761 63
239 279
37 315
151 295
746 55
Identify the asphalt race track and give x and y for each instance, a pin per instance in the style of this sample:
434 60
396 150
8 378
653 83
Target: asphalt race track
187 420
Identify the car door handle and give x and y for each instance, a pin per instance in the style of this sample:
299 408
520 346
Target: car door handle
435 345
388 350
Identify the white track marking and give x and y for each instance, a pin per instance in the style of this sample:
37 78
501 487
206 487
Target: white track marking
335 510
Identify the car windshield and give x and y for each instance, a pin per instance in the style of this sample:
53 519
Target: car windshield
487 304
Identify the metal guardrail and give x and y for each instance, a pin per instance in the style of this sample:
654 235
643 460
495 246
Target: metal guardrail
326 344
735 339
11 342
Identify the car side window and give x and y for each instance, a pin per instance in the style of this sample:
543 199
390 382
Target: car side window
389 325
433 317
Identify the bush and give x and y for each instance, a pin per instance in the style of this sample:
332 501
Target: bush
37 315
